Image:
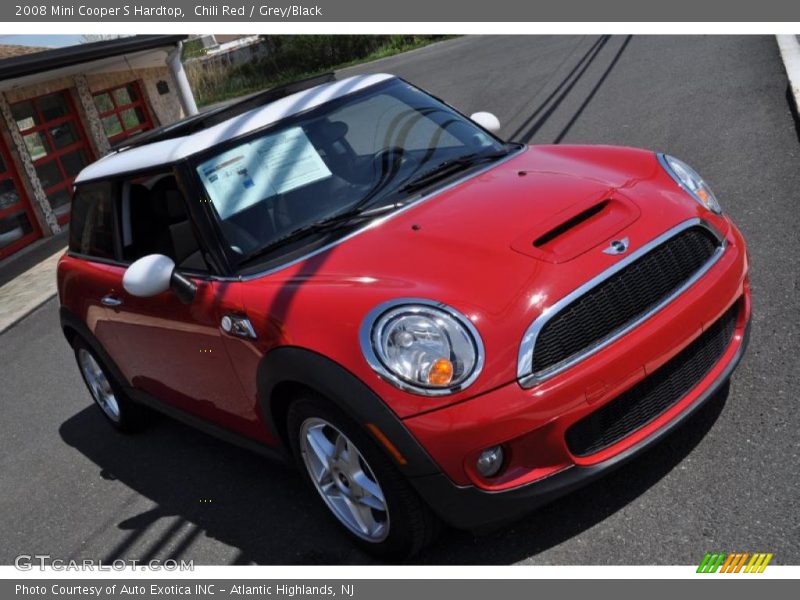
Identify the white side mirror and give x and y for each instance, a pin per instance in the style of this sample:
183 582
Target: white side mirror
149 276
486 120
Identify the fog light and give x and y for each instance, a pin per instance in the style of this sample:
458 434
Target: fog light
490 461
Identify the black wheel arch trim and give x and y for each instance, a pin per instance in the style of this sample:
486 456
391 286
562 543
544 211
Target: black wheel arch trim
300 366
70 320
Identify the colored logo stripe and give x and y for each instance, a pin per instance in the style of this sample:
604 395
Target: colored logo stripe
726 566
711 562
758 563
734 562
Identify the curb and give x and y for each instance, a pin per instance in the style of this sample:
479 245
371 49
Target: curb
30 256
28 291
19 317
378 61
789 48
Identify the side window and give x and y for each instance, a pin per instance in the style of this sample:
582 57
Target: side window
91 230
155 220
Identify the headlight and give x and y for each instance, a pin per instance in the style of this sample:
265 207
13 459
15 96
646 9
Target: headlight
422 346
689 180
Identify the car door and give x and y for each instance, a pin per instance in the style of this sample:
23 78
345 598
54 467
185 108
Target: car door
173 350
89 275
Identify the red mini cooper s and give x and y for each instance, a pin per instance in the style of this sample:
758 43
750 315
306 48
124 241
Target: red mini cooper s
435 325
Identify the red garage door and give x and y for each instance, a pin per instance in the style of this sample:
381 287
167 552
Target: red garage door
17 222
123 111
57 144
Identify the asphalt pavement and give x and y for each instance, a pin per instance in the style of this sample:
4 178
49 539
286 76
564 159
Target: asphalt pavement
727 481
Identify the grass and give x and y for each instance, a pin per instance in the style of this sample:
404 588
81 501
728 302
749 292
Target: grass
214 83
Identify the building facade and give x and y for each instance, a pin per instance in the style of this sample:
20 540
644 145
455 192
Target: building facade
63 108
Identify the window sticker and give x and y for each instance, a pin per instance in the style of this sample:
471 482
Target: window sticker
274 164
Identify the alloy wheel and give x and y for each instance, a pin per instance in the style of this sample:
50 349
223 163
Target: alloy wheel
99 385
344 479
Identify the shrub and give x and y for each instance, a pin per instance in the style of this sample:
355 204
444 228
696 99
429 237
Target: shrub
290 57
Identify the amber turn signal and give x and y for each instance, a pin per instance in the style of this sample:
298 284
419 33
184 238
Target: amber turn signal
441 372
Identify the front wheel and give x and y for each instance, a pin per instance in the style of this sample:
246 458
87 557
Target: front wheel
358 483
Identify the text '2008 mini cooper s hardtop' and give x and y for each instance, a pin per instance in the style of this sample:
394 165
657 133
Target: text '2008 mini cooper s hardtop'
434 324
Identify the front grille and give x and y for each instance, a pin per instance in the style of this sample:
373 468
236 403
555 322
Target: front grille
623 297
649 398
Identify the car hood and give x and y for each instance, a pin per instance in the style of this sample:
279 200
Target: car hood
500 247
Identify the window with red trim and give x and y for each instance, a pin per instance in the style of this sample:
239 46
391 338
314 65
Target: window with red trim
57 144
123 111
17 222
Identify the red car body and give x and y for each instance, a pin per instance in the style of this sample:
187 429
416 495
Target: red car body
458 249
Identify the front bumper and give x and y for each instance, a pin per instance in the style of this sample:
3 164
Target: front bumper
469 507
532 424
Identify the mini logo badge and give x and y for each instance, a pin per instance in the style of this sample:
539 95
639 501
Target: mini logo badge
618 246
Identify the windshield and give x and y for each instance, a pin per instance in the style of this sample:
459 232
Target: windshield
357 152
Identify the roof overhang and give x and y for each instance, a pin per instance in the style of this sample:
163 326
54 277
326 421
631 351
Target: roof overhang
123 54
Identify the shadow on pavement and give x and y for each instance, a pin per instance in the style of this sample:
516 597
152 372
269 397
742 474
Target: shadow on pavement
264 511
221 491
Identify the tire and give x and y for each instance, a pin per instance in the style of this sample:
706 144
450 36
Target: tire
119 410
362 472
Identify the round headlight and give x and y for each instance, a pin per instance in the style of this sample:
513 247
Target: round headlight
422 346
689 180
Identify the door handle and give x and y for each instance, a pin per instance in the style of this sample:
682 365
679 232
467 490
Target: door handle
110 300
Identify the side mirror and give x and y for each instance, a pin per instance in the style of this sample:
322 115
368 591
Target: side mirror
154 274
486 120
183 287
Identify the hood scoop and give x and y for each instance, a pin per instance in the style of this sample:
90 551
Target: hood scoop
566 226
578 228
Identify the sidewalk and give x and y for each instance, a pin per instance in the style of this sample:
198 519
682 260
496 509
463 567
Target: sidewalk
24 292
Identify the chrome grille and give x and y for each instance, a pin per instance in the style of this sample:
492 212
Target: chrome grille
618 300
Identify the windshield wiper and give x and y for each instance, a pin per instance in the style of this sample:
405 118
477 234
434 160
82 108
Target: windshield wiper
362 210
359 212
355 214
449 167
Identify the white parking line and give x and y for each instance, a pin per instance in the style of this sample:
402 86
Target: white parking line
789 47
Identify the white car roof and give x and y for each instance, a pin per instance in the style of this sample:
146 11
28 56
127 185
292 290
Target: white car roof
171 150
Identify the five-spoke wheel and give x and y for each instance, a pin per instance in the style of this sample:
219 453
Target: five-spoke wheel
361 485
344 479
